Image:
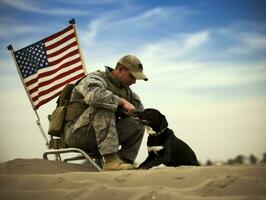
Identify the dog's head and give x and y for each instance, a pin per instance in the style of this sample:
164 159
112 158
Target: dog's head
152 118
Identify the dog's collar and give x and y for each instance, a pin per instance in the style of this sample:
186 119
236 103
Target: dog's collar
158 133
151 132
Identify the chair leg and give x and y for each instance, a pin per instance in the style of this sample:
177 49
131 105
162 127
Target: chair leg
73 150
74 158
99 162
58 157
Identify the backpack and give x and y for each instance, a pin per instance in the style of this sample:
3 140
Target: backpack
65 111
57 118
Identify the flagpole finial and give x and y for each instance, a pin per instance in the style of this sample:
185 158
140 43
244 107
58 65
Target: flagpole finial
72 21
9 47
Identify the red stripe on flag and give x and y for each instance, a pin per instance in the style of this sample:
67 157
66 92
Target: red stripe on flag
58 34
63 40
48 73
47 100
72 53
65 65
63 49
57 86
62 75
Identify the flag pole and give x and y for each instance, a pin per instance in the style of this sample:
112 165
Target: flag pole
10 48
73 23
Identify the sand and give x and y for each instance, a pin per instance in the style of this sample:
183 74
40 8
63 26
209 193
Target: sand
41 179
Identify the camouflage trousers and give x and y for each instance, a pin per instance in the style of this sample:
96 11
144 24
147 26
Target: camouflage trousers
106 134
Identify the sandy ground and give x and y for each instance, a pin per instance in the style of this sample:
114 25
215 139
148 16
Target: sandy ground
42 179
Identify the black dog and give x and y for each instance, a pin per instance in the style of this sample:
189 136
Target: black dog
163 146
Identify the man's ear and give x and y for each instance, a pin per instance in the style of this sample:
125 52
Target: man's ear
164 123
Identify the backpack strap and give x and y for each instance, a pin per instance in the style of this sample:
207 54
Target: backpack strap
64 97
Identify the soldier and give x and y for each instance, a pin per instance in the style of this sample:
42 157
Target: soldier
102 127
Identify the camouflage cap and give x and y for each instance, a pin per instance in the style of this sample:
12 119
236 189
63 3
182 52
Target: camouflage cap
134 65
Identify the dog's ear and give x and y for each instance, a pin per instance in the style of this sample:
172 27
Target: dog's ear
164 123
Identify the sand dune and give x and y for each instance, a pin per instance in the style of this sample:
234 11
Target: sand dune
42 179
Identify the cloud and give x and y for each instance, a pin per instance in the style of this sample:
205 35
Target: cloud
225 75
99 3
144 28
195 40
197 64
215 79
243 38
157 11
249 43
105 35
114 20
137 23
30 6
174 48
89 34
13 28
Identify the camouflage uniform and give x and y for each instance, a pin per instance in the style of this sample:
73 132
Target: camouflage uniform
98 129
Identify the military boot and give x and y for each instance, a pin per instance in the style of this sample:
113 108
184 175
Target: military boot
113 162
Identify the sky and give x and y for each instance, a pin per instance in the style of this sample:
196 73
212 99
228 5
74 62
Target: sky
205 60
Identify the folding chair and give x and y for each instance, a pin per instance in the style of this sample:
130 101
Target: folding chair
57 142
58 147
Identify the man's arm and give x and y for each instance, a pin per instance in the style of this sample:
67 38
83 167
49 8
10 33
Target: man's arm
93 88
127 106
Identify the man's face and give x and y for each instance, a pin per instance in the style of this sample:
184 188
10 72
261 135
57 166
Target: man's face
126 77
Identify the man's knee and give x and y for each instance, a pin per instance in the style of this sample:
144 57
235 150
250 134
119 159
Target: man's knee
83 138
104 124
103 119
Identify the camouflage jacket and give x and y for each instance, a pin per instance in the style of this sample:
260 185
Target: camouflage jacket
100 90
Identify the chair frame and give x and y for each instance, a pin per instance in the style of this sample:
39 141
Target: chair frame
57 149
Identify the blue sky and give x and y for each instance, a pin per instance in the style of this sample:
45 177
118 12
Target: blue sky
206 63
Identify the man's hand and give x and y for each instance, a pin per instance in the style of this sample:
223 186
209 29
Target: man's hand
127 106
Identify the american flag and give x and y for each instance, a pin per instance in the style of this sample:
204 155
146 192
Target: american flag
49 64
